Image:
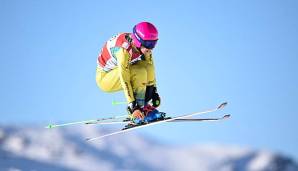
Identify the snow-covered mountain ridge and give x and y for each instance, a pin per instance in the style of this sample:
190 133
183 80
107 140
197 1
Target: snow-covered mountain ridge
39 149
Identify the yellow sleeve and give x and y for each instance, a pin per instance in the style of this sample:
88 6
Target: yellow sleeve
150 70
123 59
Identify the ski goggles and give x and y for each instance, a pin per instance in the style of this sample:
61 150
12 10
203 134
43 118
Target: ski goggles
149 44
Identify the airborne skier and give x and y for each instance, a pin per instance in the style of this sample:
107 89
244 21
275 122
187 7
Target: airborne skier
126 63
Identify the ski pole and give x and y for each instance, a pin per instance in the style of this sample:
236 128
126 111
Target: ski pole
118 103
67 124
85 121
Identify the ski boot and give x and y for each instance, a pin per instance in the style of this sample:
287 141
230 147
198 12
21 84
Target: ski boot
152 114
137 117
145 115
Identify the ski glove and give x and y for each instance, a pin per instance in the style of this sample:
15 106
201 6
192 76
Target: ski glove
155 98
132 106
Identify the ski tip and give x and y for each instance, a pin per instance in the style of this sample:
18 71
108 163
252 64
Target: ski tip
222 105
227 116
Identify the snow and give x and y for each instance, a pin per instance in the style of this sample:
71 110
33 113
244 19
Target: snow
261 161
37 148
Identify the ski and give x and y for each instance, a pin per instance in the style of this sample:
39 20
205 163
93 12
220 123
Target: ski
176 120
227 116
221 106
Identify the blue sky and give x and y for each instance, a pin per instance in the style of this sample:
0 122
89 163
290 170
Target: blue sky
243 52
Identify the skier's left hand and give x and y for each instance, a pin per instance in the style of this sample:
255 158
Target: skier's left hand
155 99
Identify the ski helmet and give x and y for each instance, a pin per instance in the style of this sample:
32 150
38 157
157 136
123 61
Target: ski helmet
145 34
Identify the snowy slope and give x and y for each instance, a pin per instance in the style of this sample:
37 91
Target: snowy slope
39 149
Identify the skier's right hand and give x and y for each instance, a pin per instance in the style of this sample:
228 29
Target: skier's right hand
137 114
134 109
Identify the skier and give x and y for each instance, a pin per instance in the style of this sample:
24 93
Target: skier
126 63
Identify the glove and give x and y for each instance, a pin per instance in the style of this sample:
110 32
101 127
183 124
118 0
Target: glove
135 111
155 98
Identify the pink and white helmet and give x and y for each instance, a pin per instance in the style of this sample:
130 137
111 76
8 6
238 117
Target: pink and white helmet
145 34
